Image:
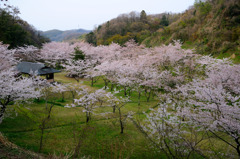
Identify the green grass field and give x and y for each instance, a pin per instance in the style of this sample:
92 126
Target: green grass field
100 138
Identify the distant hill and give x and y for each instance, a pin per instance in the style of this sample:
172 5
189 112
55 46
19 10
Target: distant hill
210 26
58 35
133 25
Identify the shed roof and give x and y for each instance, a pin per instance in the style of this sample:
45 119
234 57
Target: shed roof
39 68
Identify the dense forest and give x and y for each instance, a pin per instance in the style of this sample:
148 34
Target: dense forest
212 27
17 32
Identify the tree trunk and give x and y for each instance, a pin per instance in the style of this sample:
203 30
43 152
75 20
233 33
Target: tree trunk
139 96
148 95
77 149
87 117
106 83
2 113
114 109
73 96
43 126
4 106
238 146
112 86
41 140
125 90
84 132
122 127
77 79
120 120
92 81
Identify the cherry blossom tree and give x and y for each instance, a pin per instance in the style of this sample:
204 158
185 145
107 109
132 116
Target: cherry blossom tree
89 101
93 75
214 102
118 104
56 53
170 134
6 57
197 95
45 117
73 89
13 89
42 118
60 88
79 68
27 53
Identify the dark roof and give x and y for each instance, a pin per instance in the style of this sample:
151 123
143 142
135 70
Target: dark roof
39 68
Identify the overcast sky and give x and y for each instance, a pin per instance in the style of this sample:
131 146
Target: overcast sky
87 14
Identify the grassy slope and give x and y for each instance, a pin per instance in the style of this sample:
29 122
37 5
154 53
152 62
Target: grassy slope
102 138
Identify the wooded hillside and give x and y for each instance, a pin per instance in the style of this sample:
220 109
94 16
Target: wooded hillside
17 32
211 26
134 25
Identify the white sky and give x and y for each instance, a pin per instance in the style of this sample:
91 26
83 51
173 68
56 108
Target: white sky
87 14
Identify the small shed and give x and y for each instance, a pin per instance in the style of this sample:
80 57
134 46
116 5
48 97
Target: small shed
39 68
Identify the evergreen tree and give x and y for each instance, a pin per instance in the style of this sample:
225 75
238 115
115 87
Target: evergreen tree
143 16
164 21
91 38
78 54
